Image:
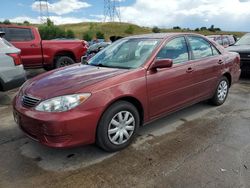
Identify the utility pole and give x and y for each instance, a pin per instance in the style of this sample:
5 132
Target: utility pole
44 10
112 11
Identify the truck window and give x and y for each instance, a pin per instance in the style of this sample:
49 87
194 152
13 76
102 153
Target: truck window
18 34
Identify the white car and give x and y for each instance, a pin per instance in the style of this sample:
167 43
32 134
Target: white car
12 73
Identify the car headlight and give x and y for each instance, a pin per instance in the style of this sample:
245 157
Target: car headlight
62 103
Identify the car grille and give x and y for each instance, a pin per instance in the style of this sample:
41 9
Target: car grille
29 101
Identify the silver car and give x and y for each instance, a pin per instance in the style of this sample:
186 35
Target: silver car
12 74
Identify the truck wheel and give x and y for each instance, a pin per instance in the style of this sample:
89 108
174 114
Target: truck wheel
118 126
63 61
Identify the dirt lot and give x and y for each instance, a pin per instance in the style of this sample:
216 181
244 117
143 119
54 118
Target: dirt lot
201 146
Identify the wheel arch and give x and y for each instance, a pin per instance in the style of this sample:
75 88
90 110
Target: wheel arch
134 101
229 78
64 53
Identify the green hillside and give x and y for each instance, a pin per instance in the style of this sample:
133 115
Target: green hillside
124 29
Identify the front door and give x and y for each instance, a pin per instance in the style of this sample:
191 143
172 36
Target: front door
170 88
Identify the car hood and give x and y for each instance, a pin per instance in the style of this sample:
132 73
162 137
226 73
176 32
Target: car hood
239 48
68 80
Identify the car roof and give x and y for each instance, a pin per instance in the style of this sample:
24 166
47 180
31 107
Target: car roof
161 35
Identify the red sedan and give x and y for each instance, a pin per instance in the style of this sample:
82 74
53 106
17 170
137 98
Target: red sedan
133 81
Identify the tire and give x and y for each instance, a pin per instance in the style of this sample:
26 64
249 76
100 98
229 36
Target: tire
48 68
63 61
221 92
112 125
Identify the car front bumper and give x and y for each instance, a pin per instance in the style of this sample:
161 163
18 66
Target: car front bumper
59 130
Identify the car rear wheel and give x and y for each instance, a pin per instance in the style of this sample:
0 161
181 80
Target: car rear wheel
221 93
118 126
63 61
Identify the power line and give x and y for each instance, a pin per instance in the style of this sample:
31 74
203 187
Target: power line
112 11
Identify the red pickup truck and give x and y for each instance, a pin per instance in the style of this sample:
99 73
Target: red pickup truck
37 53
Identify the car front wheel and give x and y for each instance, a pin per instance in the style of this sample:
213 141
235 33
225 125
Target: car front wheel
118 126
221 93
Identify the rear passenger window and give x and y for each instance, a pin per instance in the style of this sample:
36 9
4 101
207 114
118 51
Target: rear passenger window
176 50
225 41
200 47
18 34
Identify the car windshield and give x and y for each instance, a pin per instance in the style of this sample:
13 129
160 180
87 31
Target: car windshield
245 40
125 53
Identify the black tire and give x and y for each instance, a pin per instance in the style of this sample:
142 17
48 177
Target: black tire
103 139
48 68
216 100
63 61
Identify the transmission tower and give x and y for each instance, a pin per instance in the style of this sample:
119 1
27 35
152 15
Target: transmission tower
112 11
44 10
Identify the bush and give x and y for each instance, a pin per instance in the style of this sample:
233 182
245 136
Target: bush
88 36
70 34
156 30
129 30
49 31
6 22
99 35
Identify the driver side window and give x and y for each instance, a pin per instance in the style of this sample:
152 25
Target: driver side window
176 50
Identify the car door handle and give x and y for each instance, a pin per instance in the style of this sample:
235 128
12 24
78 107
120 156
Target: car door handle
220 62
189 70
32 45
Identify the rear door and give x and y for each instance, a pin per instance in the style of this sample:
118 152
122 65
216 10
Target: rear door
24 39
170 88
207 63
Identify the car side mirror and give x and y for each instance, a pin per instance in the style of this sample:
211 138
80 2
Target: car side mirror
162 63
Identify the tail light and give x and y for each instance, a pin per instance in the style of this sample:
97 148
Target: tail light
16 58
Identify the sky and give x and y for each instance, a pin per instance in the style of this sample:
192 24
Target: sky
229 15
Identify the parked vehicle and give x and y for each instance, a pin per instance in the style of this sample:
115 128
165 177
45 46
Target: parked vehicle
224 40
95 48
242 46
131 82
12 74
37 53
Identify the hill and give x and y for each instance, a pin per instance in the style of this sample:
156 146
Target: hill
126 29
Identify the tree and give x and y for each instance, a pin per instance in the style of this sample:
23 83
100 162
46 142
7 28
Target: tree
26 22
49 31
99 35
176 27
156 30
49 22
197 29
129 30
203 28
6 22
211 28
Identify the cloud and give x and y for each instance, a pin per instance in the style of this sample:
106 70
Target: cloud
167 13
61 7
